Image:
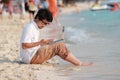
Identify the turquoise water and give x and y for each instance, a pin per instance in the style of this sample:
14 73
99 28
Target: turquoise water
93 36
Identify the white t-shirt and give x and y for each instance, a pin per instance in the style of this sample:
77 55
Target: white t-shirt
30 34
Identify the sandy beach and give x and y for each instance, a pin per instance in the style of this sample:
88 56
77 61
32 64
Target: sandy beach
11 67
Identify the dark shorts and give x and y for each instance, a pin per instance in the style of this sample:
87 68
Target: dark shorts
32 12
26 7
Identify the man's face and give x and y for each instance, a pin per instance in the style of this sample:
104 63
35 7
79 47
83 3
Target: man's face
42 23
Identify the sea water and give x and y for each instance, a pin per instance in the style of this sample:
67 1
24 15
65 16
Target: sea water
93 36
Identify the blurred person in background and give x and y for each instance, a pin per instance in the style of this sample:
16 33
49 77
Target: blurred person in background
60 4
77 3
1 9
43 4
21 7
32 8
53 7
10 9
26 5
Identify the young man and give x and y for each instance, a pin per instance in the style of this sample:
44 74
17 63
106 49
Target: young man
34 50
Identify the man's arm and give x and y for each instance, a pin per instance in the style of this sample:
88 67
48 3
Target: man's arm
34 44
30 45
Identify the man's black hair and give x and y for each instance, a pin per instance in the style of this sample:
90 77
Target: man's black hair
44 14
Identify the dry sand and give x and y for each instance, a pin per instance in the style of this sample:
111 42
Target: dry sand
11 68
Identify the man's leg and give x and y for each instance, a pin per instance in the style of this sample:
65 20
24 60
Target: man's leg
43 54
64 53
72 59
60 49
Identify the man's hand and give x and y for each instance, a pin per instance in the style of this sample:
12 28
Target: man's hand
46 41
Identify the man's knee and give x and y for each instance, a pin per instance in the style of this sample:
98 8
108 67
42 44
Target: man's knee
62 50
60 43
